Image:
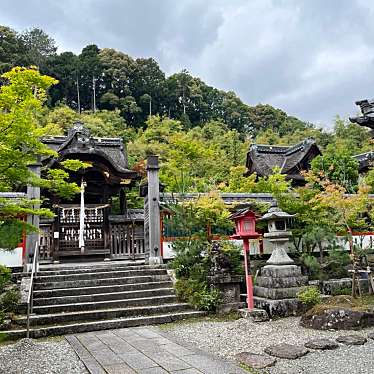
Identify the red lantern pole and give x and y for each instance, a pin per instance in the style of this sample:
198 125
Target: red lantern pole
248 276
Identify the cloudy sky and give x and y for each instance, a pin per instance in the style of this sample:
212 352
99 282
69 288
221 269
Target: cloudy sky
311 58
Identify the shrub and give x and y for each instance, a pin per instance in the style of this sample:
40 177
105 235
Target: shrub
197 294
337 264
312 266
341 291
234 255
9 300
310 296
5 276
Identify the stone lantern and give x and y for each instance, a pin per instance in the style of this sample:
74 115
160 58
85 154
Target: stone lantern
280 279
279 235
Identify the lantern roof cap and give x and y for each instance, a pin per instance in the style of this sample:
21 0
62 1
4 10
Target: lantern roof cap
242 213
276 212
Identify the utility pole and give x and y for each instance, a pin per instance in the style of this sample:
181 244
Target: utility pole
150 105
94 93
78 96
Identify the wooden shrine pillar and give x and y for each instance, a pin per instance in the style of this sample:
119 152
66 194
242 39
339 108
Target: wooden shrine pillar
152 226
33 192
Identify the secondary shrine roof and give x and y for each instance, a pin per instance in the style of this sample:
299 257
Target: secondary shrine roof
262 159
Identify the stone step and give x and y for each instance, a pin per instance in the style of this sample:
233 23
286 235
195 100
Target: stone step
98 275
73 328
92 298
91 315
97 269
108 304
92 265
47 285
59 292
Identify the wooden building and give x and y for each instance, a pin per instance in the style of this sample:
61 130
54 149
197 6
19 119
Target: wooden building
291 160
105 235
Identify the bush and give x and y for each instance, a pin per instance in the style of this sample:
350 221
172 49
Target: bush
197 294
311 264
234 255
341 291
337 264
5 276
9 300
310 296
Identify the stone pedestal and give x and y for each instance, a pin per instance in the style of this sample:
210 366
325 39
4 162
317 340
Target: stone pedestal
229 286
276 290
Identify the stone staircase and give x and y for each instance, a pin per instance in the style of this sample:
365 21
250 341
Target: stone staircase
73 299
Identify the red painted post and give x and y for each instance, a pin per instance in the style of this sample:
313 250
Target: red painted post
248 276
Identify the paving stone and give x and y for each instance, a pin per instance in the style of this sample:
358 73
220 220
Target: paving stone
138 360
91 342
147 333
177 349
93 366
168 361
145 345
321 344
255 361
107 357
79 349
351 339
209 365
187 371
119 369
155 370
371 335
116 344
285 350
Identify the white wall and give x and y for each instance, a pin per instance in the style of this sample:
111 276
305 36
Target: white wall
11 258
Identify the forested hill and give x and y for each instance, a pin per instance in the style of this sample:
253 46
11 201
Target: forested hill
136 87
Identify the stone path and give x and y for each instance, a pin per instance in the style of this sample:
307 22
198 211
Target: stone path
143 350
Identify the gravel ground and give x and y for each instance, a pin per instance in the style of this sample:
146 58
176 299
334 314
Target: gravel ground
40 357
226 339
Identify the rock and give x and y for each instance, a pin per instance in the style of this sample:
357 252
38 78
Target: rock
254 360
255 315
321 344
371 335
338 319
285 350
351 340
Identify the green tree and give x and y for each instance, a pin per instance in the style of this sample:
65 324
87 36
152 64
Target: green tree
337 165
12 49
38 46
21 104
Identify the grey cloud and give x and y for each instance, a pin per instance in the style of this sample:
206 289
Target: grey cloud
311 58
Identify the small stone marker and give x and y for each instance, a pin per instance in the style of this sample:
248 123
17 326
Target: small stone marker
254 360
321 344
255 315
371 335
285 350
351 340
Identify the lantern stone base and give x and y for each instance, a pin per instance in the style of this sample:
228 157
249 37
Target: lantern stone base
229 286
277 288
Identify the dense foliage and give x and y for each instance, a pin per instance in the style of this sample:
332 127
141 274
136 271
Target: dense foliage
193 262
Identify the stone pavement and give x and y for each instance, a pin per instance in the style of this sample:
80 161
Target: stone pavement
143 350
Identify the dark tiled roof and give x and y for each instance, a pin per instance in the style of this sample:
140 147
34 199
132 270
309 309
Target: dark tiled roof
80 142
262 159
365 160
